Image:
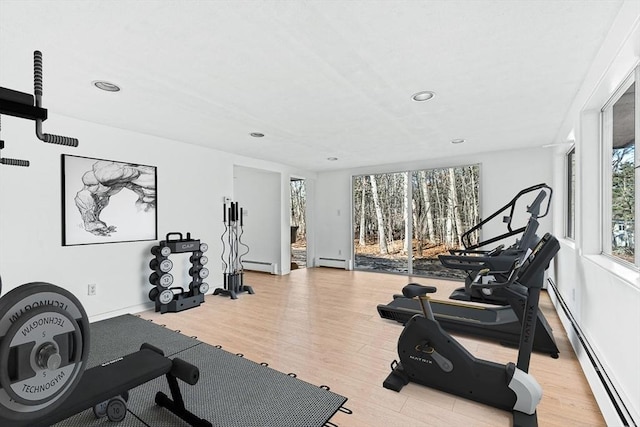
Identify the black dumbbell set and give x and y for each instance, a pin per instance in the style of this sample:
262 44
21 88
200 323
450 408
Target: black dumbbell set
174 299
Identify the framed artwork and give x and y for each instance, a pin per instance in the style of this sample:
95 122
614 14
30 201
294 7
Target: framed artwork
106 201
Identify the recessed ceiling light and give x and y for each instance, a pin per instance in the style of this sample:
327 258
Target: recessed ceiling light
332 159
458 141
424 95
256 134
106 86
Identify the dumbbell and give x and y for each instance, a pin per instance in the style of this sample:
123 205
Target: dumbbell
198 258
165 280
199 271
115 409
202 287
161 250
164 266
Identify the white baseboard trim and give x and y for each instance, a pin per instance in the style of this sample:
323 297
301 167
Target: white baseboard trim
610 402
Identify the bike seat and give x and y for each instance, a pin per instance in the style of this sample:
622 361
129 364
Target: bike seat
415 290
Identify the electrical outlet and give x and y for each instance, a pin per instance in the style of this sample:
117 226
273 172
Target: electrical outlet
339 251
91 289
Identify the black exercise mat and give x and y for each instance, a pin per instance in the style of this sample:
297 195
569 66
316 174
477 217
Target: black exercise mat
122 335
236 392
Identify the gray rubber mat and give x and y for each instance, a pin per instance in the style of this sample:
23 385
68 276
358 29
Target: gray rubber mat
122 335
236 392
232 391
88 419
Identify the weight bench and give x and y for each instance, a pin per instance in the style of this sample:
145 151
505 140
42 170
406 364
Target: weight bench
117 377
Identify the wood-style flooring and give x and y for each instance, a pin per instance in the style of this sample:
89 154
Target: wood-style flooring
322 324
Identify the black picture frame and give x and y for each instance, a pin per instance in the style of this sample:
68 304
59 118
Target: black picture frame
107 201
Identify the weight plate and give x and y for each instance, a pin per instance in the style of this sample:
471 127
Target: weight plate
39 373
165 251
116 409
26 313
166 265
155 249
204 287
203 247
153 294
166 296
204 273
203 260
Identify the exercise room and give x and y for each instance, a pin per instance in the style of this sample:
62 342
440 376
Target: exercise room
319 213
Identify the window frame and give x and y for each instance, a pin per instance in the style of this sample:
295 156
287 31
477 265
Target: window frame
571 181
606 144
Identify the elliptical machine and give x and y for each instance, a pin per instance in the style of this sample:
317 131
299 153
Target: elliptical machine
432 357
471 259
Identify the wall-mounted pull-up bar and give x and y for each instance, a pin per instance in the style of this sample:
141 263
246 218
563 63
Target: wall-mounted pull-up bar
27 106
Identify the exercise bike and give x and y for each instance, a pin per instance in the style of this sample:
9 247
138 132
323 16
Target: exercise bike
432 357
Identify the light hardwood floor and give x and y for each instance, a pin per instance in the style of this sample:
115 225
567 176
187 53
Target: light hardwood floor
322 324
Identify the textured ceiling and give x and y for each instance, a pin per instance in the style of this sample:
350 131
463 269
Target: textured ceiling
319 78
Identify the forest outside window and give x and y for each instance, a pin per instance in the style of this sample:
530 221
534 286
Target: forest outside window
402 221
619 132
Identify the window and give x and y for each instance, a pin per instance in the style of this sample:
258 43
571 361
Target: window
571 194
403 220
619 131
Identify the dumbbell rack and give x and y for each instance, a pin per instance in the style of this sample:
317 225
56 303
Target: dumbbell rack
175 299
233 270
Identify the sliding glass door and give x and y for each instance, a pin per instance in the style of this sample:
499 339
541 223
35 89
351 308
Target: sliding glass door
380 222
423 213
445 205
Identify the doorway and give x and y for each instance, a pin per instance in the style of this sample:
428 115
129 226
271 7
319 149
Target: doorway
298 224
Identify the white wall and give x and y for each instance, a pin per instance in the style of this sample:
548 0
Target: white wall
192 182
258 193
502 175
602 295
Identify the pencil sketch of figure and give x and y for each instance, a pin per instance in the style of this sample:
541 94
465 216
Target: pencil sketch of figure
107 179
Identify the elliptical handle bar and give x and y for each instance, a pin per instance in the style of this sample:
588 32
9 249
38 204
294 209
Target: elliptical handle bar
512 275
466 237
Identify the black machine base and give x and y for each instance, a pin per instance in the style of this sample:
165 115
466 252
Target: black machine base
397 379
179 303
233 285
496 323
436 360
463 294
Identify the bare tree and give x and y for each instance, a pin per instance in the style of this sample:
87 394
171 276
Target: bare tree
382 241
454 207
427 205
361 237
298 206
405 209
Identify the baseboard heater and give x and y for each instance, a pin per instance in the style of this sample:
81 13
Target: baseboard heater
333 262
265 267
623 413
